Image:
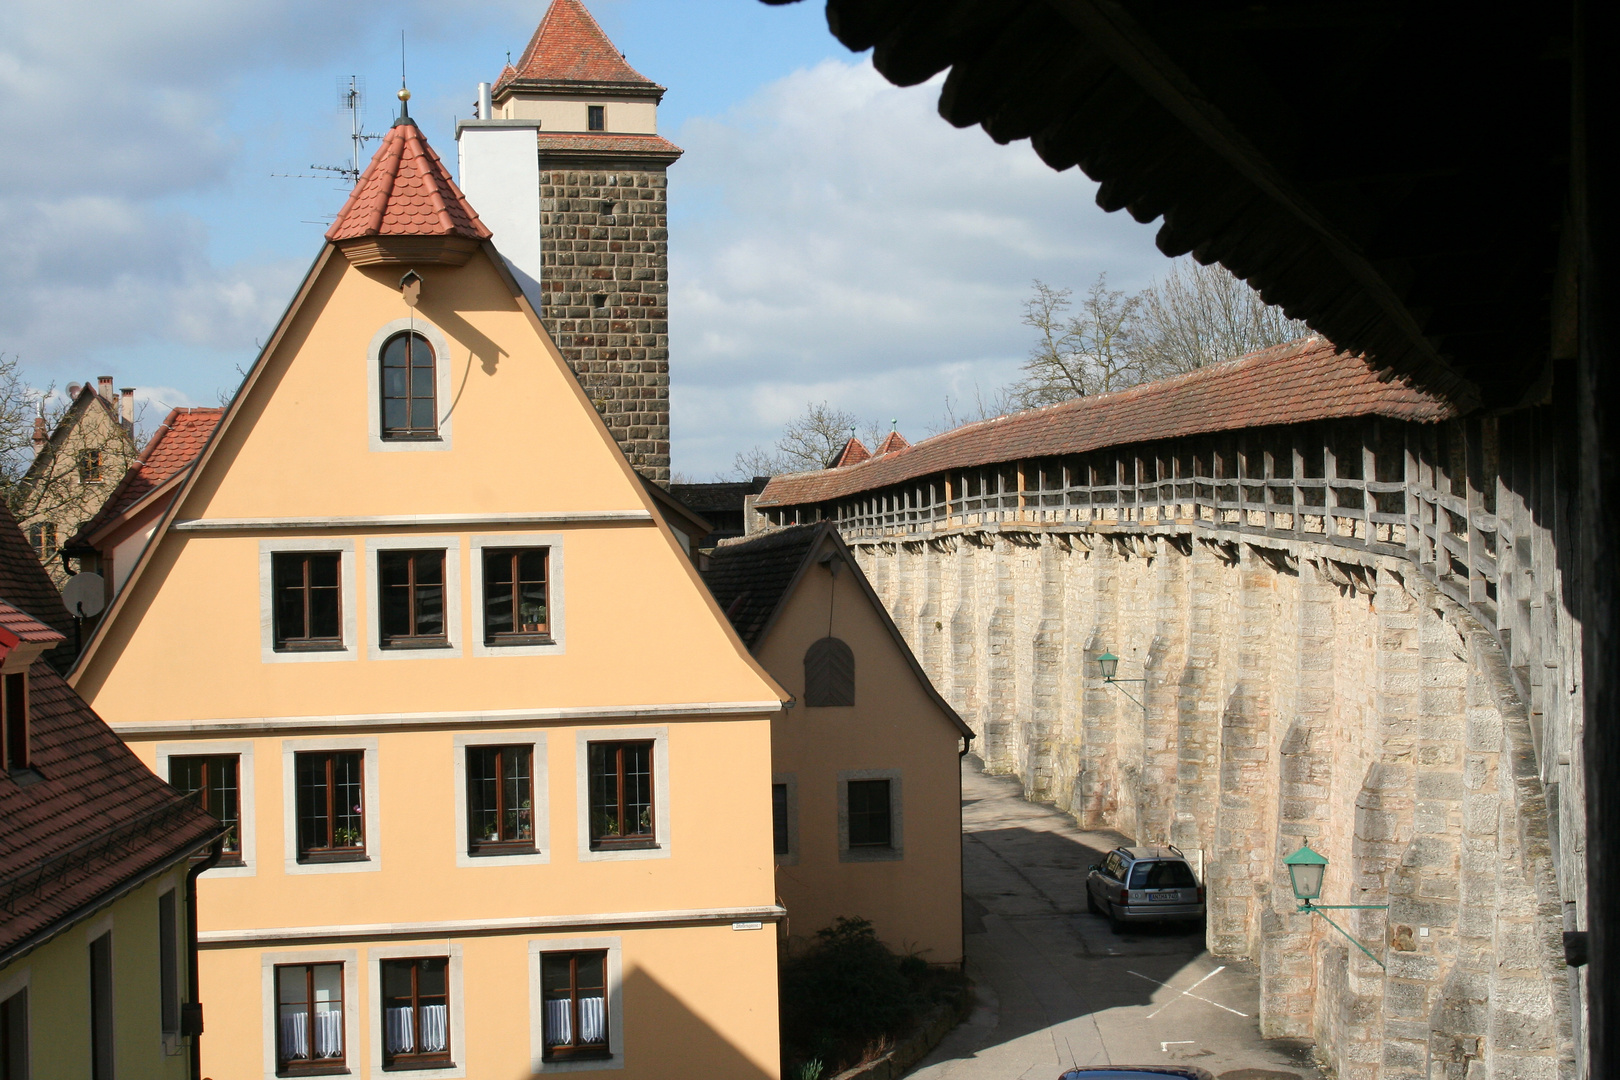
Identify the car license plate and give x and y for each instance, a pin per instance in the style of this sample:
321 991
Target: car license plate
1164 896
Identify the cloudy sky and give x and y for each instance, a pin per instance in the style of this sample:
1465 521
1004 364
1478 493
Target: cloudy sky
831 238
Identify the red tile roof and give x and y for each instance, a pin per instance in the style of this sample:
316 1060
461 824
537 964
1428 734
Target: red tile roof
596 141
406 191
25 627
1287 384
25 584
569 46
892 442
95 819
853 453
169 452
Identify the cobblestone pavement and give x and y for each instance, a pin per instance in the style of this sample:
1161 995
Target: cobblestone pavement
1057 988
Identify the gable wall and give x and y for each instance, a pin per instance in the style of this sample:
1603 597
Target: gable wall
914 901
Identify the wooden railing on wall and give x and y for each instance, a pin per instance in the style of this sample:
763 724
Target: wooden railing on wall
1480 505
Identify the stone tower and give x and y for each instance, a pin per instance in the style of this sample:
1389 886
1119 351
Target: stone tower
566 167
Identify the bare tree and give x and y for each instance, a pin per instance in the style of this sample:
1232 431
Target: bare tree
1196 315
1088 352
808 442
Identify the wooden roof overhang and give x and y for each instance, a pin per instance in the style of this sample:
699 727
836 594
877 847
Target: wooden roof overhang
1395 175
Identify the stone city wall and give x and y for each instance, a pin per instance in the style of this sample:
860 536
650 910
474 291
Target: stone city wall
604 243
1295 691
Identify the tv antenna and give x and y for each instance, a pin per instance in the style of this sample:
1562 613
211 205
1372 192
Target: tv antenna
352 97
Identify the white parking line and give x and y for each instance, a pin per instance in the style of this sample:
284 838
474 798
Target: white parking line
1164 1047
1189 993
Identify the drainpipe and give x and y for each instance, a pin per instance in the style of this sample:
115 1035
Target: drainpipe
191 1020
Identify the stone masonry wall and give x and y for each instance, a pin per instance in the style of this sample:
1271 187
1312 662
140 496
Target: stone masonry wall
1294 692
604 245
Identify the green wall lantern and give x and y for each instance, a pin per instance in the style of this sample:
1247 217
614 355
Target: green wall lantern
1110 666
1306 868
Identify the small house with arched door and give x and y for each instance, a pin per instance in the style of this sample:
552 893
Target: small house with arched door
866 766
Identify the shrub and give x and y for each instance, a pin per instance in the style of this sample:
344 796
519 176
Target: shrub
847 996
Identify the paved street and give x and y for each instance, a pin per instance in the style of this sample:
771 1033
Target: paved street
1057 988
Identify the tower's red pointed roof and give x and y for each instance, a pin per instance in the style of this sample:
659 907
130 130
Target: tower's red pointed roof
853 453
569 46
406 191
895 441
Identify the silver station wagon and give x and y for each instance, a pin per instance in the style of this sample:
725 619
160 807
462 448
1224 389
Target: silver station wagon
1144 884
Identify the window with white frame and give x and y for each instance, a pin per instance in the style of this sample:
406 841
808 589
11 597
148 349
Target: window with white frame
517 583
870 818
576 1004
501 802
311 1011
416 1010
785 818
308 598
409 387
416 596
330 813
219 776
623 793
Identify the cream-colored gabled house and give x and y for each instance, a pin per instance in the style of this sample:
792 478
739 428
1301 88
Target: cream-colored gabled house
496 767
867 783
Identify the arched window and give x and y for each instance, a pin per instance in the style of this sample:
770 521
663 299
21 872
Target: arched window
409 382
829 673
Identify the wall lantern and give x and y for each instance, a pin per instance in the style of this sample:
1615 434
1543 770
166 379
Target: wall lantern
1306 868
1109 664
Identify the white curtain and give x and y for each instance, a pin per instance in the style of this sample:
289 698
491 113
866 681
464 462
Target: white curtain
295 1035
399 1026
592 1022
329 1034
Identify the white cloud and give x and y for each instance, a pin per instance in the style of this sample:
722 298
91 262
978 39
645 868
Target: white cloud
843 243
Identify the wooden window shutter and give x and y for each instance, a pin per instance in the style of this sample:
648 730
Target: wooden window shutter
829 673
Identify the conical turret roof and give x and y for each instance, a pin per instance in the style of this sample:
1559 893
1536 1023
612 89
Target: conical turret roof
406 191
569 46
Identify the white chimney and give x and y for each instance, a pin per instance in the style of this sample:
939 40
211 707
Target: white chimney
500 175
126 405
104 387
486 109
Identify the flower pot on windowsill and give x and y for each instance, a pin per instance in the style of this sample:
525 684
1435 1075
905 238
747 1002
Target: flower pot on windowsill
529 628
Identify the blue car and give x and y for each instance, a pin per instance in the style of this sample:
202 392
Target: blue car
1137 1072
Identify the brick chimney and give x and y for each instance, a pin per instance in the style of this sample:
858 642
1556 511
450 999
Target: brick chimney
104 387
126 406
41 436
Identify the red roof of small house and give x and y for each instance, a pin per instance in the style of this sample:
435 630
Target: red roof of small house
25 584
1301 381
894 441
569 46
169 452
406 191
87 820
853 453
24 627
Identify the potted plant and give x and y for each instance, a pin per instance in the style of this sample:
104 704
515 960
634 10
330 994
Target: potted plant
531 618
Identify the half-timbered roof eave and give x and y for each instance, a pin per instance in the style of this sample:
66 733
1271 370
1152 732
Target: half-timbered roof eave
1307 150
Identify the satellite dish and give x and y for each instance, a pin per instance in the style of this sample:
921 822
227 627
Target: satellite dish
85 595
